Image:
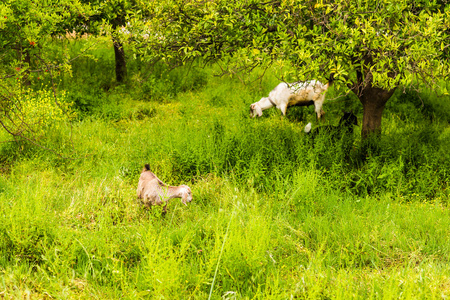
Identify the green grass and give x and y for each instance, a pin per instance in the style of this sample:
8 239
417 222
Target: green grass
272 217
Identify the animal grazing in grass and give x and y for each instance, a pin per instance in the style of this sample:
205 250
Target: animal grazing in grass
152 191
293 94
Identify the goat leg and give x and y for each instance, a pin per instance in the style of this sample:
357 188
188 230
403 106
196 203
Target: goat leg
164 210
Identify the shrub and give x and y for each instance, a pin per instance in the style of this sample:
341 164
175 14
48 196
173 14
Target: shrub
36 110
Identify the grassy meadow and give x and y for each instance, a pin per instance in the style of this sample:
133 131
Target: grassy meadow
273 216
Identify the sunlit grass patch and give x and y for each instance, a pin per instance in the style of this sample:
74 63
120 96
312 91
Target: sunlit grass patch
273 215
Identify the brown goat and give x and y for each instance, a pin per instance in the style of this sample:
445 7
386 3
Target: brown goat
152 191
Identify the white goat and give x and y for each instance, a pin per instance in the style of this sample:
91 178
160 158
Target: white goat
152 191
290 94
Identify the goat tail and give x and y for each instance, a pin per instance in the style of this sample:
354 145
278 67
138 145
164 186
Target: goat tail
308 128
146 168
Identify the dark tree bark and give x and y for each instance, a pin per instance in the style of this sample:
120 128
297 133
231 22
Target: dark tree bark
121 64
373 100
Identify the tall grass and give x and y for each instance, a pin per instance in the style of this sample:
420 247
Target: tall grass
273 217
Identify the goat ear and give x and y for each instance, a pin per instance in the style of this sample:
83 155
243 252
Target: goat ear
252 110
184 198
258 110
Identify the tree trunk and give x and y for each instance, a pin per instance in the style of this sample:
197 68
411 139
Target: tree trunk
121 64
373 101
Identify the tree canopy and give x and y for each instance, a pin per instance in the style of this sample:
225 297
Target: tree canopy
27 50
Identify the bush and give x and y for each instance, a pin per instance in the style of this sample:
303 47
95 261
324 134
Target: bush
34 111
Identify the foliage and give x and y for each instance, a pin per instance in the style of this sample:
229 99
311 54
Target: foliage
399 43
33 112
25 30
28 54
113 19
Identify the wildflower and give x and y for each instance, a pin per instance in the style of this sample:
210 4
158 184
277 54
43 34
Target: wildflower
40 110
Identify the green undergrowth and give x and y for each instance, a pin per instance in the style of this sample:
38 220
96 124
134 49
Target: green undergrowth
85 236
275 215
